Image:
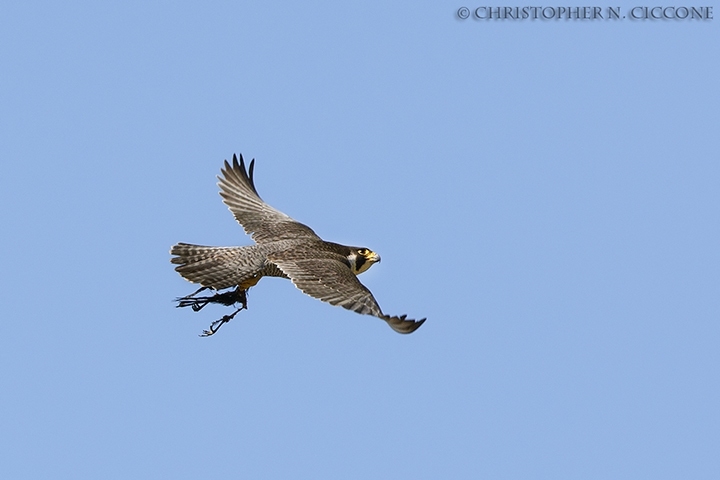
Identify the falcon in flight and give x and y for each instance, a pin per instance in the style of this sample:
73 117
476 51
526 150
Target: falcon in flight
283 248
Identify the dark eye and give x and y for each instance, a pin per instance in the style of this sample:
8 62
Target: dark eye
363 251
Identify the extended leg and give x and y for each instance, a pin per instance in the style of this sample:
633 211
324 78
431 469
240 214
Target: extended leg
226 298
238 295
215 326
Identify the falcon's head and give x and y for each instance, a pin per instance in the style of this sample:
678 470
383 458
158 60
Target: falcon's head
361 259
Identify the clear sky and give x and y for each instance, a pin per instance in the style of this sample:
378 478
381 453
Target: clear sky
546 193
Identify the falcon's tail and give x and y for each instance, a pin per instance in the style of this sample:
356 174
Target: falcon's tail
216 267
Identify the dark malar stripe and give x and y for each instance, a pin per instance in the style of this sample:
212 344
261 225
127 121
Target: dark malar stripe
359 262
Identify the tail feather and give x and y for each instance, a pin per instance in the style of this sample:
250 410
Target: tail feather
216 267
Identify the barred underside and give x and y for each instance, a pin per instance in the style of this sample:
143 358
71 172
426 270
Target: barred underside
320 275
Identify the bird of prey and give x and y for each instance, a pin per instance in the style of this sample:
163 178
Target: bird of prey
283 248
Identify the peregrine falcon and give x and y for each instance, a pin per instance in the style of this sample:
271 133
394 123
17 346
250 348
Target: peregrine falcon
283 248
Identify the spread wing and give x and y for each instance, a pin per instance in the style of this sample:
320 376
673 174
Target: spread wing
332 281
263 222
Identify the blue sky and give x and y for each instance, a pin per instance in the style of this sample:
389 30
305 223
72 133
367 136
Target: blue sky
545 192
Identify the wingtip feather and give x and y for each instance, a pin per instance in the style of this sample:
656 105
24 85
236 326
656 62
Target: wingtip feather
402 325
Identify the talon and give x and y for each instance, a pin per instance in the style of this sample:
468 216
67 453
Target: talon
233 297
